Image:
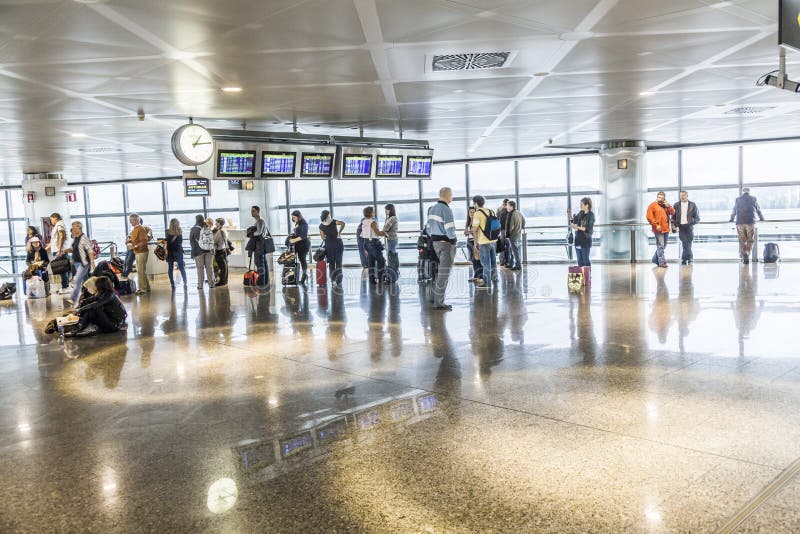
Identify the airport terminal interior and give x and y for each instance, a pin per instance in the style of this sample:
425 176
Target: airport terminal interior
655 390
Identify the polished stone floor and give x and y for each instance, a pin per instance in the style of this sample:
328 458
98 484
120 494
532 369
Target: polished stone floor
652 402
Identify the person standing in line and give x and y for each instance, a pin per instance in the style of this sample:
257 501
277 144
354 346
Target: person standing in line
744 213
259 251
477 268
686 216
390 227
58 242
301 242
330 231
175 252
583 224
441 228
130 255
372 245
138 245
485 247
82 258
503 214
221 252
202 242
658 215
515 225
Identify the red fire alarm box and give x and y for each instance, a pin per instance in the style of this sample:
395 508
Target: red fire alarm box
31 196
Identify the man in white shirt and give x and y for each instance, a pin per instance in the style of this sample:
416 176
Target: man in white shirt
686 216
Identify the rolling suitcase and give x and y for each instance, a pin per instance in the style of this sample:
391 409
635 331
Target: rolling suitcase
289 275
392 267
586 271
321 271
771 253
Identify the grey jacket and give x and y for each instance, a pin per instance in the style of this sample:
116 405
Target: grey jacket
515 224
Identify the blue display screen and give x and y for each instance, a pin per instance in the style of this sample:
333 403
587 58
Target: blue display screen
258 455
297 444
278 163
333 431
196 187
426 403
320 165
236 163
419 166
357 165
401 410
368 419
389 166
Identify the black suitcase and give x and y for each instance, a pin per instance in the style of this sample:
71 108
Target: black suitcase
289 275
772 253
427 270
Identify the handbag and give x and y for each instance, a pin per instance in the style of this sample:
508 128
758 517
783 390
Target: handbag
251 276
60 265
288 258
319 254
501 245
269 243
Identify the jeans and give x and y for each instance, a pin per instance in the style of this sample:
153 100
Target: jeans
375 261
446 252
141 270
81 275
686 235
222 266
488 262
661 246
205 267
262 268
334 252
582 254
362 251
513 258
391 245
130 258
171 268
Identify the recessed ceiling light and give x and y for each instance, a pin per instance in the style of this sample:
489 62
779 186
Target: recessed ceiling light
78 134
232 89
647 93
459 91
720 5
645 54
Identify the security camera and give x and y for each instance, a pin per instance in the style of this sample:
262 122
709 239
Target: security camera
140 114
550 141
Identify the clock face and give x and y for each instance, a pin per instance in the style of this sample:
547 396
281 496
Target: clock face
192 144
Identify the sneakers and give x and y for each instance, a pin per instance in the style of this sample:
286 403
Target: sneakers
444 307
480 285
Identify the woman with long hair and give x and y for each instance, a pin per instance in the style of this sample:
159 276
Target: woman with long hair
330 231
390 227
372 244
301 242
477 267
583 224
30 233
175 252
221 251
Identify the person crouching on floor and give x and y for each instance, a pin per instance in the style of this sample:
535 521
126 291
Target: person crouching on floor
100 312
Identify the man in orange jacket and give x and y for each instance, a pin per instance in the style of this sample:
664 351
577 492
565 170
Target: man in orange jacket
658 215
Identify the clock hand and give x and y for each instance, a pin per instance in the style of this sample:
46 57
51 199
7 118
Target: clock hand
207 143
196 140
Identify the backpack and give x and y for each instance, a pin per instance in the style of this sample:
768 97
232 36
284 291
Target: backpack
206 239
491 229
771 253
96 248
149 232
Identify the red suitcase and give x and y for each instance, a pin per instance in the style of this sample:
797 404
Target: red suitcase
322 273
587 273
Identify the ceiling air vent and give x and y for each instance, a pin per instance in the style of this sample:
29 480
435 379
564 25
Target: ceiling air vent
99 150
471 61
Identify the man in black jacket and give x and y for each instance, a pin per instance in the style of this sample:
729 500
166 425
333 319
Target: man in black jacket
686 216
744 212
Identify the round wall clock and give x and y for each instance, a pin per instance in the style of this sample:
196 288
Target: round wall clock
192 144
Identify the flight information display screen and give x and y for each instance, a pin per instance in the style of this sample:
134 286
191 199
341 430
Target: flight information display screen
357 166
419 166
258 455
296 445
236 163
277 164
368 419
314 165
196 187
333 431
401 410
426 403
388 166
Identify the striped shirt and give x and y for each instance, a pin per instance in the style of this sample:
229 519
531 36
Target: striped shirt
441 225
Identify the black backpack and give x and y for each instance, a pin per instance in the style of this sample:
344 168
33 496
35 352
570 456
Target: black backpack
771 253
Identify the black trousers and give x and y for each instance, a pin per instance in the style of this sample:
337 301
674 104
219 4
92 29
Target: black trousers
301 248
99 317
222 266
686 235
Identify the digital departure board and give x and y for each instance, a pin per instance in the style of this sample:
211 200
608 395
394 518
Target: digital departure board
296 445
368 419
357 166
427 403
316 165
402 409
419 166
257 455
389 166
278 164
196 187
333 431
236 163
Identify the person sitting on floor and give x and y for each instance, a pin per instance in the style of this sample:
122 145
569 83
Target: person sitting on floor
100 312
